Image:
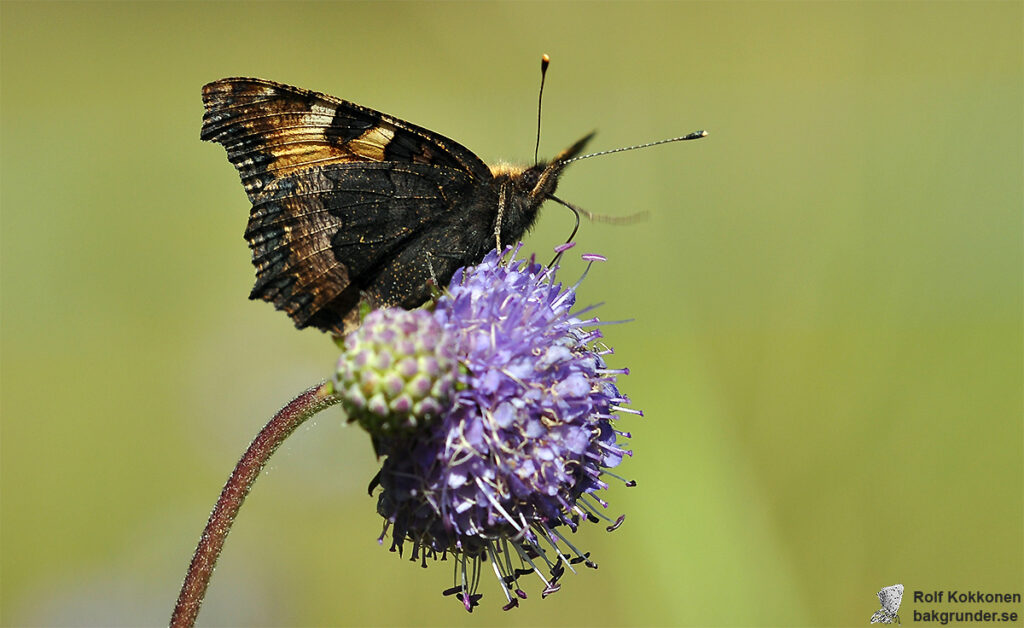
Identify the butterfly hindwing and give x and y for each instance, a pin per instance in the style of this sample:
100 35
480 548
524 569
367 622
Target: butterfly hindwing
348 203
881 616
326 237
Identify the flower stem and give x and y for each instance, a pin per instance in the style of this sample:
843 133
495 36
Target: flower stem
287 419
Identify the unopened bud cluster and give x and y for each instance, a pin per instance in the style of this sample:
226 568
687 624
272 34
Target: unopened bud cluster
396 371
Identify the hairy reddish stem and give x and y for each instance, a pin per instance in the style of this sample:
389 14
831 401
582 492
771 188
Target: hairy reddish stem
193 590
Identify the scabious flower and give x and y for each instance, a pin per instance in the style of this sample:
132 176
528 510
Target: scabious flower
508 458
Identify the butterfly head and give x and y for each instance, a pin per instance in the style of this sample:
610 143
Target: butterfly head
539 181
521 191
542 179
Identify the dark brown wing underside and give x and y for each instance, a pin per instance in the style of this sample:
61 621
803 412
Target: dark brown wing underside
349 204
324 238
271 130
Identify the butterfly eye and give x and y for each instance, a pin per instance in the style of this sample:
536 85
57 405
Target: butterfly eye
531 176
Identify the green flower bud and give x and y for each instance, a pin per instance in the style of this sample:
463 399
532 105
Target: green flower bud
396 371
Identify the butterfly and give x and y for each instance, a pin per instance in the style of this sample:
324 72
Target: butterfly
890 597
352 207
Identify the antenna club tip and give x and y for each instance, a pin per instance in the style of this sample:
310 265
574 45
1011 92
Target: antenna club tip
544 60
702 133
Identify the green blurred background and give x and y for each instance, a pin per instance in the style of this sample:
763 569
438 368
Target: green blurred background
827 294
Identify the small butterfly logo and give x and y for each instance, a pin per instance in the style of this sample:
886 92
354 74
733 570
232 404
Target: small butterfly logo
890 597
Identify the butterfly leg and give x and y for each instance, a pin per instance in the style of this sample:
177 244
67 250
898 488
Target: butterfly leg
435 286
497 221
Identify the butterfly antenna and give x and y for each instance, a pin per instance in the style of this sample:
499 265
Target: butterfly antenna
696 135
591 216
544 61
633 218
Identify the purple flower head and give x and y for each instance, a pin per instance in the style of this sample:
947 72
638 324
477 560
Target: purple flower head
523 441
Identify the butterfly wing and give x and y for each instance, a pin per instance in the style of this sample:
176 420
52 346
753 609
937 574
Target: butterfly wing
891 597
271 130
881 617
342 197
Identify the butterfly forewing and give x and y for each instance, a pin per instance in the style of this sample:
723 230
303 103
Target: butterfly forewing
891 597
271 129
